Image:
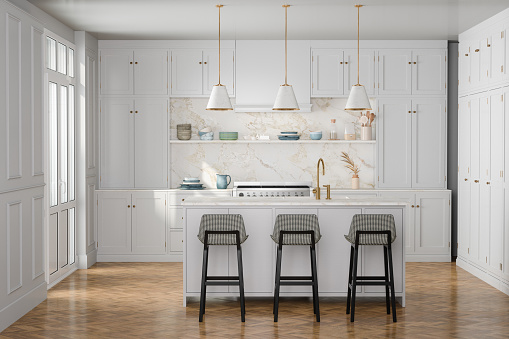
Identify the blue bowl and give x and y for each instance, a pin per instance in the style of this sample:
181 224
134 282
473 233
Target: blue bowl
315 135
289 132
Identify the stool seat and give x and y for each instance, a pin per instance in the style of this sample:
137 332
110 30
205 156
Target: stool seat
372 222
296 222
222 222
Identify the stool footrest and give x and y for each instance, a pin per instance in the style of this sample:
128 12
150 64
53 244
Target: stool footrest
296 277
371 277
217 277
371 283
296 283
222 283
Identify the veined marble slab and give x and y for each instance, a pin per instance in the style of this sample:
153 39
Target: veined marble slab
292 201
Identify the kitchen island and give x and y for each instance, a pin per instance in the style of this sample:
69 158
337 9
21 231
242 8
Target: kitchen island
259 251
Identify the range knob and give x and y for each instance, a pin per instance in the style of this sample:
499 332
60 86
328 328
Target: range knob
241 194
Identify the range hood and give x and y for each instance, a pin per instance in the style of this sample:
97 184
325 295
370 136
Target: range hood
260 70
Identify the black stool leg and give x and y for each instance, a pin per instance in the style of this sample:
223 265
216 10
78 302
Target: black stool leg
241 284
278 281
316 305
393 297
312 270
204 281
354 280
349 297
386 268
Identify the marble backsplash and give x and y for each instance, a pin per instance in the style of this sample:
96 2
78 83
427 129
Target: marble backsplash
285 161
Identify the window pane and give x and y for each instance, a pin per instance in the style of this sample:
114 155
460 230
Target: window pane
53 144
72 232
71 63
51 54
62 58
72 129
63 144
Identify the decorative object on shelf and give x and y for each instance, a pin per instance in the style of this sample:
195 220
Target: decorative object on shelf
228 135
353 168
191 184
366 128
262 137
204 130
333 135
315 135
358 99
207 136
350 131
184 131
289 136
219 99
222 181
285 100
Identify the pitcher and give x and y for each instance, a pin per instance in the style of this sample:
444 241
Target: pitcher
222 182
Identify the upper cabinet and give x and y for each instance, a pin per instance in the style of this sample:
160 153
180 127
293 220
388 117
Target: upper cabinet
395 72
126 71
429 72
195 71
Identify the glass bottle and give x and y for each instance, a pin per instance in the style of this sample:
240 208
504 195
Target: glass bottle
333 135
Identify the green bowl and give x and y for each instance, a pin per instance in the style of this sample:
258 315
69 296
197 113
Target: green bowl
228 135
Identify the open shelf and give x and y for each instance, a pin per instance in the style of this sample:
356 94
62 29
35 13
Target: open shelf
305 141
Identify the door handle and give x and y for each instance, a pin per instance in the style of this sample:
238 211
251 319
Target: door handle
417 206
487 182
134 206
413 206
128 206
476 181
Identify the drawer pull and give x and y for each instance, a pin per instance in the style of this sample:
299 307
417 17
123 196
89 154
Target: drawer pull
412 206
466 179
182 199
134 206
417 206
477 50
487 182
476 181
128 206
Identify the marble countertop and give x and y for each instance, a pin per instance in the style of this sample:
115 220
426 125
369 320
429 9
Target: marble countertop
292 201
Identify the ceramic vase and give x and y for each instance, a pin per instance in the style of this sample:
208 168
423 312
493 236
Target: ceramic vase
355 182
366 133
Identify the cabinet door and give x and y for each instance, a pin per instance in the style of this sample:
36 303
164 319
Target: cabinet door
506 54
473 249
428 153
175 217
484 223
505 263
464 213
114 222
257 251
410 230
366 70
211 70
429 72
193 257
484 138
116 71
475 64
506 143
497 136
117 143
464 66
394 143
395 72
497 205
176 241
464 140
474 138
151 71
151 147
432 223
149 222
327 73
334 260
186 72
485 60
497 55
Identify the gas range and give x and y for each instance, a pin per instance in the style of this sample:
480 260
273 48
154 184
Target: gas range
254 189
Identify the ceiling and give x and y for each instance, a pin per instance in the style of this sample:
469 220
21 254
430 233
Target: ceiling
264 19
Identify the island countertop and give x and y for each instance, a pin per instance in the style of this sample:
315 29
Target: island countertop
294 201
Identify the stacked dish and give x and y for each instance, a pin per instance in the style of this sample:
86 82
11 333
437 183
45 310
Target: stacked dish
289 136
191 184
184 131
228 135
206 134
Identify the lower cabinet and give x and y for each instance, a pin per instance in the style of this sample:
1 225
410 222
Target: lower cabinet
131 222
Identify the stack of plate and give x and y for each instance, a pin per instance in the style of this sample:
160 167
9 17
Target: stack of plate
191 184
184 131
228 135
289 136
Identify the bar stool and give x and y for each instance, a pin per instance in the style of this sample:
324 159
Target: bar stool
222 229
371 229
296 229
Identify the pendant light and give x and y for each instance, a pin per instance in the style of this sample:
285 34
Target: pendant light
285 100
358 99
219 99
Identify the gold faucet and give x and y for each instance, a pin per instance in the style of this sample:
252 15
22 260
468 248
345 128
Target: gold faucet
317 189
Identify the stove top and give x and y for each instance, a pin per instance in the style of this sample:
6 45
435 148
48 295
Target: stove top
254 189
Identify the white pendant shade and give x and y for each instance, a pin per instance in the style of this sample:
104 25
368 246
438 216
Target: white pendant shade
358 99
219 99
285 100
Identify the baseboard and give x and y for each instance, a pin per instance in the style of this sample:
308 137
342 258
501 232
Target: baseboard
428 258
62 277
139 258
485 276
87 260
23 305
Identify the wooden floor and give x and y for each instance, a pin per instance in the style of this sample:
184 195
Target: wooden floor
144 300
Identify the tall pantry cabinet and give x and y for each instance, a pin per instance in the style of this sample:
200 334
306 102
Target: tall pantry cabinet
483 224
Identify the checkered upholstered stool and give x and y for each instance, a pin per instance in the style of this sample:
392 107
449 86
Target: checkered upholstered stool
222 229
296 229
371 229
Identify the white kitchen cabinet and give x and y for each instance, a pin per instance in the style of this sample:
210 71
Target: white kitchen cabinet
485 60
131 222
395 72
429 72
133 143
394 144
498 49
176 241
465 56
258 253
484 138
333 263
496 234
328 73
505 91
464 220
505 262
474 138
175 217
475 64
497 121
473 248
367 72
140 71
195 71
464 139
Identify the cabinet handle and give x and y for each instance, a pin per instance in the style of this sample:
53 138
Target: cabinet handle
476 181
128 206
346 62
466 179
417 206
466 54
477 50
409 62
205 63
135 111
409 111
134 206
415 111
131 112
487 182
488 45
412 206
131 63
200 62
341 62
182 199
415 63
136 63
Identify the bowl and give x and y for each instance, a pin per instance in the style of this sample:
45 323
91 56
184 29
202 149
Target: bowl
289 132
207 136
315 135
228 135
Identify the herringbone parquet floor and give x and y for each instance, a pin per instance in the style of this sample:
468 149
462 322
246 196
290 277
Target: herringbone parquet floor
144 300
